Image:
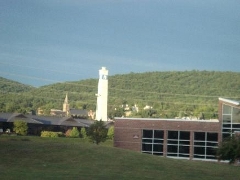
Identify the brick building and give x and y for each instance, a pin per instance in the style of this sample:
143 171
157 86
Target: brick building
178 138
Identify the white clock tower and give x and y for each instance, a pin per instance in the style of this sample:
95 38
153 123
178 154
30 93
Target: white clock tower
102 95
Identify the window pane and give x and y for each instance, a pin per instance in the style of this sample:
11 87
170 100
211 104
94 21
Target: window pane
212 136
185 135
199 143
184 149
199 136
146 147
158 134
184 142
172 149
226 109
158 141
236 115
227 118
172 134
199 150
147 133
172 142
211 151
147 140
157 148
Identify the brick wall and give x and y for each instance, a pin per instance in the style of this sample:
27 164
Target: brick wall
128 132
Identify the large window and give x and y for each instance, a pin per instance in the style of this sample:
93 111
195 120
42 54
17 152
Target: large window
231 120
205 145
152 141
178 144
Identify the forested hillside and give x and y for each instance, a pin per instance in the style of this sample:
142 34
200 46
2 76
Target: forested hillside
170 94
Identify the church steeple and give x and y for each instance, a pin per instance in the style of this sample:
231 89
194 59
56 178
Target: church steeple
66 99
66 105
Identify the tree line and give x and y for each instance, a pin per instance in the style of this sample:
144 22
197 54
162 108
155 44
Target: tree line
170 94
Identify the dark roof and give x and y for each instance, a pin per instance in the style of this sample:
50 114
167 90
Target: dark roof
81 112
47 120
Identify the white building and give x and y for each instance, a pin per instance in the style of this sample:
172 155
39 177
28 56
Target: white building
102 95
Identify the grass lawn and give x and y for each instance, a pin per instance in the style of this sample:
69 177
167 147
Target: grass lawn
68 158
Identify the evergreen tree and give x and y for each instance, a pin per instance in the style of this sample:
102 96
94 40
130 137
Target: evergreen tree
97 132
74 133
110 133
83 133
229 149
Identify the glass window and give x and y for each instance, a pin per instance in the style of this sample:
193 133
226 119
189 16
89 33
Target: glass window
157 148
158 134
184 135
227 118
147 133
212 136
172 149
200 136
178 144
184 149
205 144
172 134
152 141
146 147
236 115
226 109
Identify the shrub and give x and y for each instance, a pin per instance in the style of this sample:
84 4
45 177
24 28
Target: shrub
67 133
97 132
74 133
110 133
50 134
229 149
20 127
83 133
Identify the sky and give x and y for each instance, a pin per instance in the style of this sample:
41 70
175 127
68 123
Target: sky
49 41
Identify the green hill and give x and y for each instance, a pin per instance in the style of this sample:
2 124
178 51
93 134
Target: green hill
9 86
170 94
66 158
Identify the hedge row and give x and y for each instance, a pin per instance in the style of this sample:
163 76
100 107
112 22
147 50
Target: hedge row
51 134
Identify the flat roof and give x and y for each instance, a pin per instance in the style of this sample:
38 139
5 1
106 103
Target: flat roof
162 119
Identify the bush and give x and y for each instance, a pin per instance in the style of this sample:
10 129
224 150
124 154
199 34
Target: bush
83 133
20 127
110 133
51 134
229 149
67 133
97 132
74 133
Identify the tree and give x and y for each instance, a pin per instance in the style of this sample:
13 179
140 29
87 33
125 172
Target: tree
74 133
110 133
83 133
20 127
229 149
97 132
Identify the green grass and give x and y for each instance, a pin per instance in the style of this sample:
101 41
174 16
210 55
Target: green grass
65 158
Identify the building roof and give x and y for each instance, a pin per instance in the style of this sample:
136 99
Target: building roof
47 120
234 102
18 116
82 112
162 119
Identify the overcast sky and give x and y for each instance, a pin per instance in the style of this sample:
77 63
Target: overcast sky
48 41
